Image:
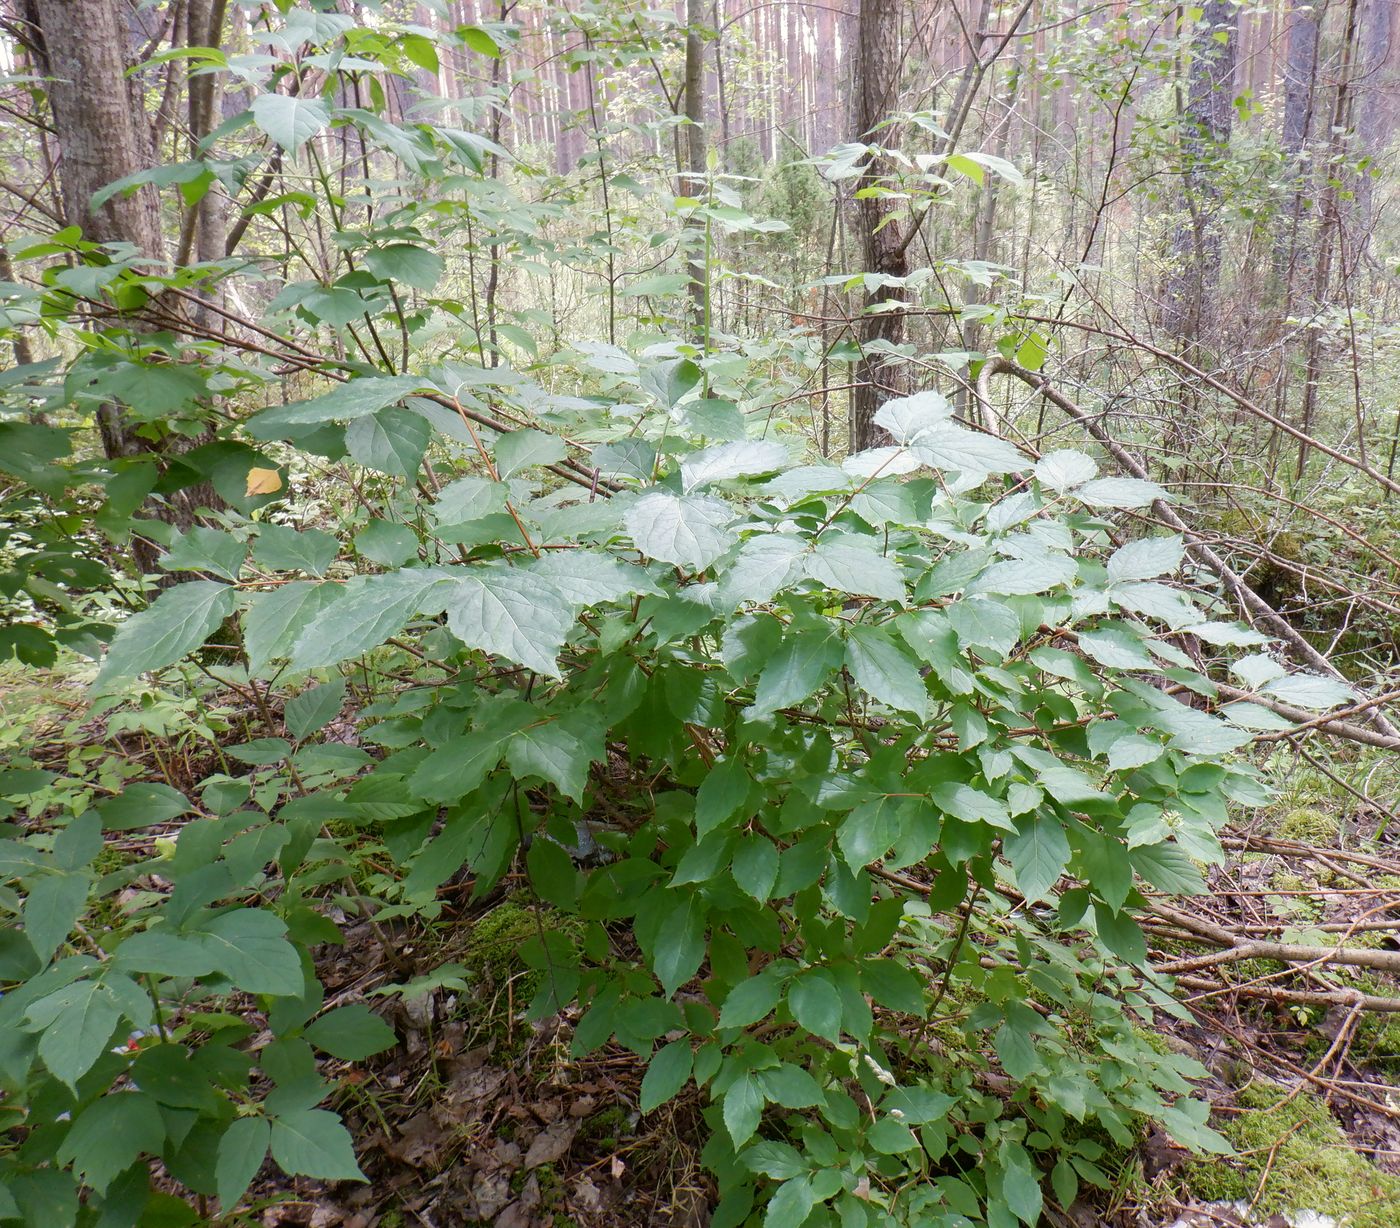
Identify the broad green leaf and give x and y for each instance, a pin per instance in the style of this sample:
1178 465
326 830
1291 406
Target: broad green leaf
720 796
204 549
1020 1184
764 566
743 1107
314 708
559 751
511 613
469 499
351 1033
280 548
386 543
680 944
971 805
314 1143
142 805
687 531
1065 469
455 768
1310 691
745 458
884 668
776 1160
755 866
791 1204
107 1137
174 625
291 122
850 564
1153 600
1146 559
1119 492
367 611
893 985
406 263
249 946
274 620
667 1073
947 446
345 402
1024 577
806 658
165 954
1038 852
391 440
907 418
242 1151
51 909
525 449
750 1001
77 1021
589 577
816 1005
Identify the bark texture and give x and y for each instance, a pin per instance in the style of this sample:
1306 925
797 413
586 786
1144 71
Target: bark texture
883 246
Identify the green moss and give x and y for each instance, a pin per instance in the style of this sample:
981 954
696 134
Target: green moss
503 980
1310 826
1310 1164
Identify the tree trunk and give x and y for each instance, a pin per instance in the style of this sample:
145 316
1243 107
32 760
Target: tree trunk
101 137
1206 121
693 182
876 65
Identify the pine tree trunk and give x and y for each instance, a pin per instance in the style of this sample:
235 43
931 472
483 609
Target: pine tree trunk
876 63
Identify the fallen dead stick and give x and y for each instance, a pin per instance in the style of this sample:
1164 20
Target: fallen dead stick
1293 848
1235 948
1323 724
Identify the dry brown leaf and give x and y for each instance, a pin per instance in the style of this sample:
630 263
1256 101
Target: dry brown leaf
263 482
551 1143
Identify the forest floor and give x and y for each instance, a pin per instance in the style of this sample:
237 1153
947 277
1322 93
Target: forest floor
481 1118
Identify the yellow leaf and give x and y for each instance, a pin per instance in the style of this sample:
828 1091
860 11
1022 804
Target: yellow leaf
263 482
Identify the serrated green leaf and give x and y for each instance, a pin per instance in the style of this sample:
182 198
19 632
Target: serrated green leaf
590 577
274 621
351 1033
345 402
242 1150
171 627
249 946
313 709
805 659
764 566
687 531
744 458
1039 852
510 613
816 1005
680 944
1146 559
290 122
107 1137
314 1143
1119 492
1065 469
365 613
204 549
51 909
406 263
755 866
884 668
559 751
77 1021
280 548
519 450
390 440
850 564
750 1001
791 1204
667 1073
164 953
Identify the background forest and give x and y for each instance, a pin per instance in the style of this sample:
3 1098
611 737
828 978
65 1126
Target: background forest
770 613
